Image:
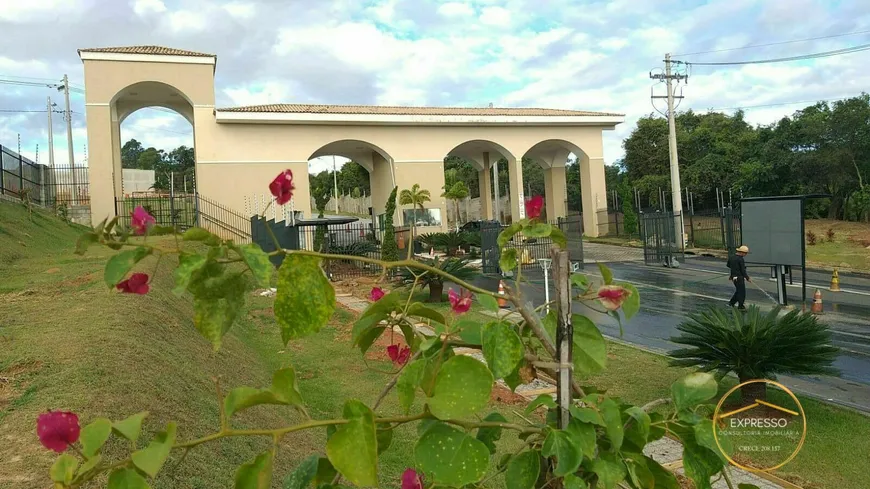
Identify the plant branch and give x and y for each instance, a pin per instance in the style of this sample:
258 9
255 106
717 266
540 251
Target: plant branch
392 382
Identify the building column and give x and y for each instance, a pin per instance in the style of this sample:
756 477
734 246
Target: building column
555 190
117 168
518 200
101 184
483 178
381 183
594 191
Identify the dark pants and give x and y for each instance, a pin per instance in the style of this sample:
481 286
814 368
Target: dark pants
739 296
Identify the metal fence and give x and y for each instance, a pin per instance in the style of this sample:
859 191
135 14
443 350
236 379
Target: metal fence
183 211
49 187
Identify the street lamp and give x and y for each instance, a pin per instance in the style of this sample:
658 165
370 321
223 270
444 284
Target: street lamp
545 266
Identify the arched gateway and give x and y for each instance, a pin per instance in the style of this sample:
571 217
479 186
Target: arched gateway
240 149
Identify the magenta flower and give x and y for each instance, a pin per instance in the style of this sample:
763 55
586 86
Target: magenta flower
411 479
136 284
141 220
459 303
534 206
57 430
376 294
399 356
612 296
282 187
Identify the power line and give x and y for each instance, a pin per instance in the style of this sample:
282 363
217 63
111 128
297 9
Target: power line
778 43
825 54
19 111
25 83
781 104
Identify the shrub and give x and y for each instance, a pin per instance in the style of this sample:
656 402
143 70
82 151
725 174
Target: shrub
754 345
457 267
449 241
389 247
358 248
811 238
830 234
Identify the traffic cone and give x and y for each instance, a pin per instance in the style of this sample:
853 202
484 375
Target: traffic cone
835 282
817 307
502 302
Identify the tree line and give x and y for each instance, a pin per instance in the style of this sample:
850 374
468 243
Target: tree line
181 162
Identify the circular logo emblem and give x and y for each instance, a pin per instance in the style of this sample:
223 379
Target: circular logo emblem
766 431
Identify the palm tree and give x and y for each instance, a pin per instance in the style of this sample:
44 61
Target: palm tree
456 192
415 197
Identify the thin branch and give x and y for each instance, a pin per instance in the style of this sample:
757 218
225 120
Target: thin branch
654 404
393 382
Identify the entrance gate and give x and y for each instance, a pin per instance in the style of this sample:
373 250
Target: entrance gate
572 227
490 252
661 246
529 250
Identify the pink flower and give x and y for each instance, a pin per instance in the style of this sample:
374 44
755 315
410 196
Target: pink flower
141 220
534 206
136 284
282 187
612 296
57 430
399 356
412 480
376 294
459 303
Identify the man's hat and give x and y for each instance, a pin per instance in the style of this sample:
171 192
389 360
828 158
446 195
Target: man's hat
743 249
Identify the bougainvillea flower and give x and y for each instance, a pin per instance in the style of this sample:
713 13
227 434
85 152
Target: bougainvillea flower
534 206
398 355
411 479
459 303
282 187
376 294
612 296
57 430
136 284
141 220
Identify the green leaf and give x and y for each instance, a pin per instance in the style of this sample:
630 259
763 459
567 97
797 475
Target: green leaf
508 260
353 449
693 389
583 436
559 237
188 264
590 349
303 474
462 388
492 434
89 465
215 310
419 310
612 422
384 434
121 263
571 481
408 382
587 415
85 241
523 471
747 486
470 331
150 459
450 456
258 262
127 479
537 230
305 300
507 233
561 445
579 280
606 274
704 437
638 472
94 435
542 400
284 391
256 474
610 471
640 426
130 427
502 348
488 302
631 305
699 463
196 234
664 478
64 468
325 472
98 229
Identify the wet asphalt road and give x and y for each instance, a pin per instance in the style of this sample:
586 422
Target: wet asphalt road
669 295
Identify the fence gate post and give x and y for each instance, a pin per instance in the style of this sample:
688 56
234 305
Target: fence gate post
564 333
20 174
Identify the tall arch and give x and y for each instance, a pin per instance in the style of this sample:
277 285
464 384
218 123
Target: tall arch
485 154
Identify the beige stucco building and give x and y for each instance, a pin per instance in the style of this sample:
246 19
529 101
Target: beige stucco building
239 150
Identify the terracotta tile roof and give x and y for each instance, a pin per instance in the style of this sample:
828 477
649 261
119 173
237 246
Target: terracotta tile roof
392 110
159 50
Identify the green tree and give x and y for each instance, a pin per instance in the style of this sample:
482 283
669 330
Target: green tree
456 192
389 247
353 176
629 215
415 197
461 169
150 159
130 154
321 200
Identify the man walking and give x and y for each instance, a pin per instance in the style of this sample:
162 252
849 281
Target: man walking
739 276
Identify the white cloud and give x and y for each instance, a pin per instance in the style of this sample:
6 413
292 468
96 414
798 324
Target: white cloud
240 10
269 92
455 9
495 16
146 7
187 21
22 12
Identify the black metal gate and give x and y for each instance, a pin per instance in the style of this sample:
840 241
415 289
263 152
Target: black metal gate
661 245
732 229
489 249
572 228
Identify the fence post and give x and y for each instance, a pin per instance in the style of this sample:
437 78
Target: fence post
564 333
692 227
20 174
2 171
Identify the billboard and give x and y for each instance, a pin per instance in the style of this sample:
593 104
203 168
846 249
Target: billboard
773 230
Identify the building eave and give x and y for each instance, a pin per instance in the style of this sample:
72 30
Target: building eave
227 117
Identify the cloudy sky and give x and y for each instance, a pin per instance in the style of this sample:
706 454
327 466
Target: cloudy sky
575 54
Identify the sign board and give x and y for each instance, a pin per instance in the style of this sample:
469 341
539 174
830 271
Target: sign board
774 231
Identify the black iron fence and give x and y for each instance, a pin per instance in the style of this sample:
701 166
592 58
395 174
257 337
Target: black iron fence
40 184
183 211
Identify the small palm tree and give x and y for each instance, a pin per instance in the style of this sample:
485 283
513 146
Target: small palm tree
456 192
457 267
415 197
755 346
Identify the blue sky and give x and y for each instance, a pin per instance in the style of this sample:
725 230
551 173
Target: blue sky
591 55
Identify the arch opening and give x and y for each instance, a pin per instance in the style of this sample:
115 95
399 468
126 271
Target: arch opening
472 165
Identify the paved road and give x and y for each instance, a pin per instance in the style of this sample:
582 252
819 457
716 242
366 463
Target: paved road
669 295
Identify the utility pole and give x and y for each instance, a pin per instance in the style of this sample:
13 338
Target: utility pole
676 193
69 138
50 134
335 182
